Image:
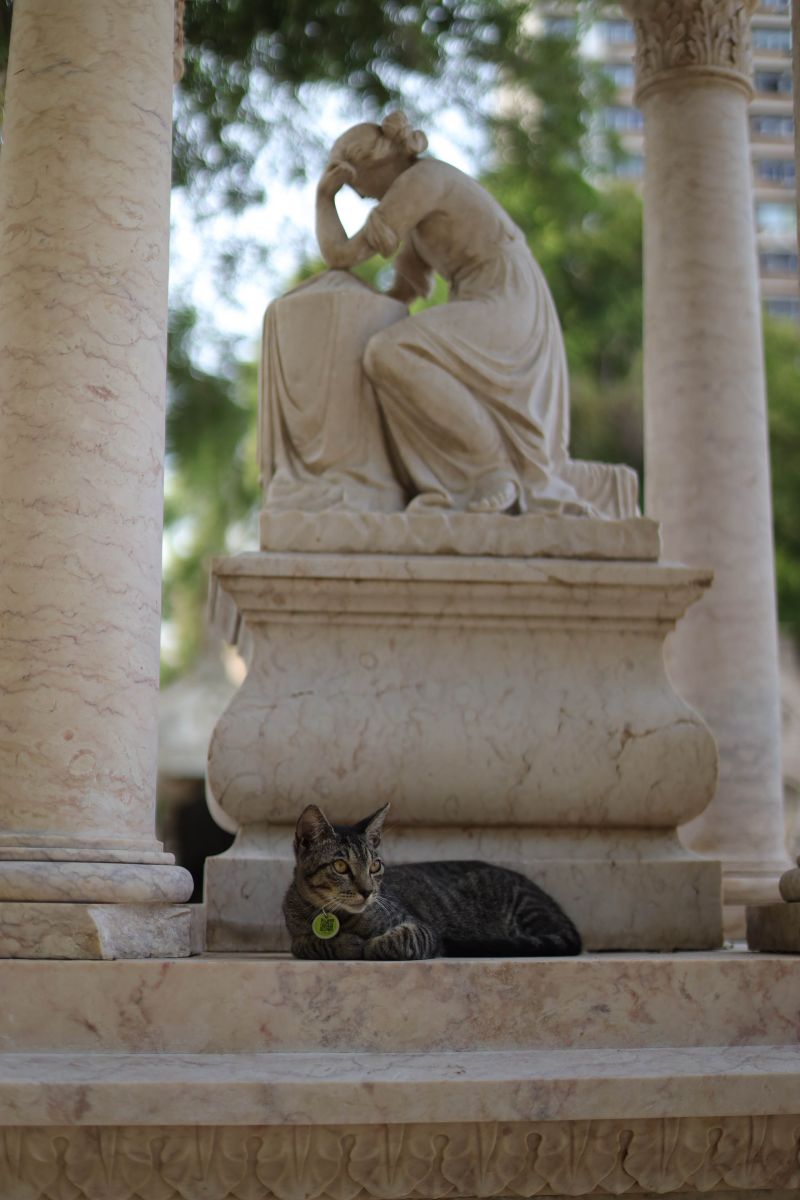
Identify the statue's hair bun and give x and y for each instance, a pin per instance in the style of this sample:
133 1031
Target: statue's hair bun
397 128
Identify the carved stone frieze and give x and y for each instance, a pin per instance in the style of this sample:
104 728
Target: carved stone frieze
701 35
394 1161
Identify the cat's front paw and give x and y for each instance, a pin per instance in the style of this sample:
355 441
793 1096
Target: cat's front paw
404 942
343 945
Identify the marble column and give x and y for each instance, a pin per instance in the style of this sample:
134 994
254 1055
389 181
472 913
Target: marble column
706 450
84 226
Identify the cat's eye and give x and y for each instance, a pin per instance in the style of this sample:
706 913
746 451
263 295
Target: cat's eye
340 866
375 866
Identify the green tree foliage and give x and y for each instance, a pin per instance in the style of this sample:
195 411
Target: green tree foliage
782 350
248 67
212 485
587 239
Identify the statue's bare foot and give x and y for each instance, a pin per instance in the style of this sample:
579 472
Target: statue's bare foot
426 501
499 498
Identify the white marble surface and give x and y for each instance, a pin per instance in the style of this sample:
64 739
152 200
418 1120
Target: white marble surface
84 217
750 1158
468 692
183 1050
43 929
534 535
340 1074
109 883
84 232
310 1089
244 1004
84 223
479 696
366 406
706 452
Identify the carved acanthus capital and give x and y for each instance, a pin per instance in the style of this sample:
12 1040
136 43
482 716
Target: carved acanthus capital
677 39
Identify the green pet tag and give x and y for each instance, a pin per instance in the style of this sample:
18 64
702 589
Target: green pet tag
325 925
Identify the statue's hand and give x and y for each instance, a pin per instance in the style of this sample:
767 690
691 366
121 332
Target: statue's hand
334 177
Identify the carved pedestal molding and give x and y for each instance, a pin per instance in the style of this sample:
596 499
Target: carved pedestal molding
705 416
84 222
731 1156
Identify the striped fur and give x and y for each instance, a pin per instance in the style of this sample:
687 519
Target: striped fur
417 910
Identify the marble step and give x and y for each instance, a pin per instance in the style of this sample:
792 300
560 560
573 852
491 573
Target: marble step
363 1089
257 1004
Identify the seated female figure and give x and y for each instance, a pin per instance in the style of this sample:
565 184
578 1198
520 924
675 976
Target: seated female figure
474 393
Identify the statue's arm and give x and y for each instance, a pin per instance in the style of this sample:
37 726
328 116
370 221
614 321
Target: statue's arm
412 196
412 276
338 250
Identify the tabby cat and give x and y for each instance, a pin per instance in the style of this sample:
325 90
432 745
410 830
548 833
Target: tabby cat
344 903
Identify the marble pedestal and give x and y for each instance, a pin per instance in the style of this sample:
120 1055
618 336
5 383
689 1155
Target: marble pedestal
776 927
261 1078
510 709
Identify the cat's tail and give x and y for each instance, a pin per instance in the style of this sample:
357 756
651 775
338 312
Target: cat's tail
542 925
548 945
566 941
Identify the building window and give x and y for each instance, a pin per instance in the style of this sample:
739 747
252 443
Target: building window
776 83
619 32
779 220
560 27
776 170
765 38
623 120
778 262
772 126
621 74
786 307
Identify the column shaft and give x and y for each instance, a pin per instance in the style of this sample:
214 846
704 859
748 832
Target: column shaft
706 450
84 228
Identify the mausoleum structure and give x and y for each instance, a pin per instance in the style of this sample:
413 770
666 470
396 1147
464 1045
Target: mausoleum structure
482 648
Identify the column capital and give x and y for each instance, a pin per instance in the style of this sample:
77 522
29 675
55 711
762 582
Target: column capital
687 41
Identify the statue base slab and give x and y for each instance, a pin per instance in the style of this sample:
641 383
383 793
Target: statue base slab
432 531
45 929
517 711
774 927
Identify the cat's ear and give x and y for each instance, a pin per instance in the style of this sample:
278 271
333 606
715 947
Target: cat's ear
371 827
312 827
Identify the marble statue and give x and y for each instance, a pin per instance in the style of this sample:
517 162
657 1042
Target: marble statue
462 407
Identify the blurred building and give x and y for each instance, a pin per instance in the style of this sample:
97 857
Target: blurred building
610 41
